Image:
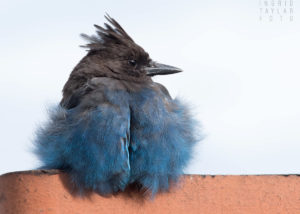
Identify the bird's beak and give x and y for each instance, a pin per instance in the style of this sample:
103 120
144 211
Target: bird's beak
160 69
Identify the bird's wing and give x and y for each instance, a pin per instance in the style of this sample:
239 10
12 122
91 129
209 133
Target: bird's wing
106 108
91 139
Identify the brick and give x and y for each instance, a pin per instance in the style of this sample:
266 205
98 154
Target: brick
48 191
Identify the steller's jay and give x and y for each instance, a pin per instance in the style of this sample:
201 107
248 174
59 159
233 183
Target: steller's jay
114 126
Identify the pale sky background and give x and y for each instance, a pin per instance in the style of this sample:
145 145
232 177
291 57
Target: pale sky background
242 75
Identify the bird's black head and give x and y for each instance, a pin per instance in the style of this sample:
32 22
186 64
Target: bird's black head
113 53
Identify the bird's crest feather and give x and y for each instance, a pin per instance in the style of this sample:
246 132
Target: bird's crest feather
113 33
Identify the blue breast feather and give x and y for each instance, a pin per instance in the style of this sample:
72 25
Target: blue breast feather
140 137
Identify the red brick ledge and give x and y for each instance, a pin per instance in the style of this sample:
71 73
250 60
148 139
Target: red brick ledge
43 191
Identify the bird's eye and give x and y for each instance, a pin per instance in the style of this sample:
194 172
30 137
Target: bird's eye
132 62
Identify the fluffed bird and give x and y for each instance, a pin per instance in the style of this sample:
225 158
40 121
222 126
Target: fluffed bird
115 126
